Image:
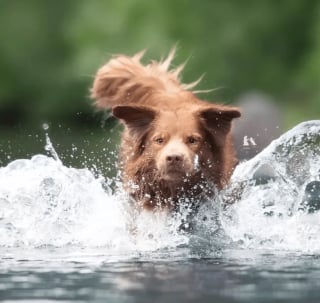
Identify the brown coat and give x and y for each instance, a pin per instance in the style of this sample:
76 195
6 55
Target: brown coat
173 144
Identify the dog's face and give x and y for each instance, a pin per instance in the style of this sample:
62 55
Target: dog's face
180 142
174 142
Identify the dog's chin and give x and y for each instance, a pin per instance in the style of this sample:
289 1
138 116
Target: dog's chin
176 176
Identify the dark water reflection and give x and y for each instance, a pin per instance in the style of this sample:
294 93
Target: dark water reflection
236 276
76 147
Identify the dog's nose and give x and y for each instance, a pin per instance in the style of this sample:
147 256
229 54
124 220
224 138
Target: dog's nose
173 159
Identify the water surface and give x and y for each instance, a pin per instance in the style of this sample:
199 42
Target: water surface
65 234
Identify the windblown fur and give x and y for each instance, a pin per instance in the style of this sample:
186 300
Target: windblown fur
124 80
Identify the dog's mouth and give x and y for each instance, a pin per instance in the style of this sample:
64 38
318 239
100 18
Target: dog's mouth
175 174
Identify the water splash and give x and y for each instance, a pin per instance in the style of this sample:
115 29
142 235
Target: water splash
49 146
278 194
272 203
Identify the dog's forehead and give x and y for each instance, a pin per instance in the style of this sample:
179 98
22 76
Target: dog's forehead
181 120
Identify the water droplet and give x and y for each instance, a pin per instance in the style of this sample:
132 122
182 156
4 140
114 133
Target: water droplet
45 126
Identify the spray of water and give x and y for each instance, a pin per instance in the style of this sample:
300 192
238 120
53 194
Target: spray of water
272 203
278 194
49 146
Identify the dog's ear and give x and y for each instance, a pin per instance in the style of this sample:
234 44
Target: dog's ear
136 118
218 119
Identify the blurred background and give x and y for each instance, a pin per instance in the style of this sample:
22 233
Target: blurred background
50 51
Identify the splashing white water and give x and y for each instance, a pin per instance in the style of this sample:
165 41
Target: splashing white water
279 194
43 202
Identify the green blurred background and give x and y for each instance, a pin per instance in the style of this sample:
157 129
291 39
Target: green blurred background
50 50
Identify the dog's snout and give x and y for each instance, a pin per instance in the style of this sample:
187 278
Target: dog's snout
174 159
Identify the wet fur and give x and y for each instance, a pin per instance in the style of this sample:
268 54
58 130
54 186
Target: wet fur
149 98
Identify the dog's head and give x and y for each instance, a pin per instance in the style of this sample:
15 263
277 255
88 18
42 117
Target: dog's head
171 136
179 143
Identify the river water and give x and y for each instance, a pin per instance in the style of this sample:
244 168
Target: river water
66 234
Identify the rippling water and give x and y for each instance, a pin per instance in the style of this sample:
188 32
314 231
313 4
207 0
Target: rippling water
66 234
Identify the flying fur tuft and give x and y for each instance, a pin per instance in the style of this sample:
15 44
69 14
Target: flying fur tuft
124 80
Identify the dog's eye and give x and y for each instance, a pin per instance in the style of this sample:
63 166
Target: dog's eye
159 140
192 140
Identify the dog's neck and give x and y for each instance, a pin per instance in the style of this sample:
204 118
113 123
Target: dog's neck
163 194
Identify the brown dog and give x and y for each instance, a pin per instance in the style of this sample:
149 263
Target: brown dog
173 144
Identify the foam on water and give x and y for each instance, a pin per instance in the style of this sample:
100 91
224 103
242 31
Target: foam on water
45 203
